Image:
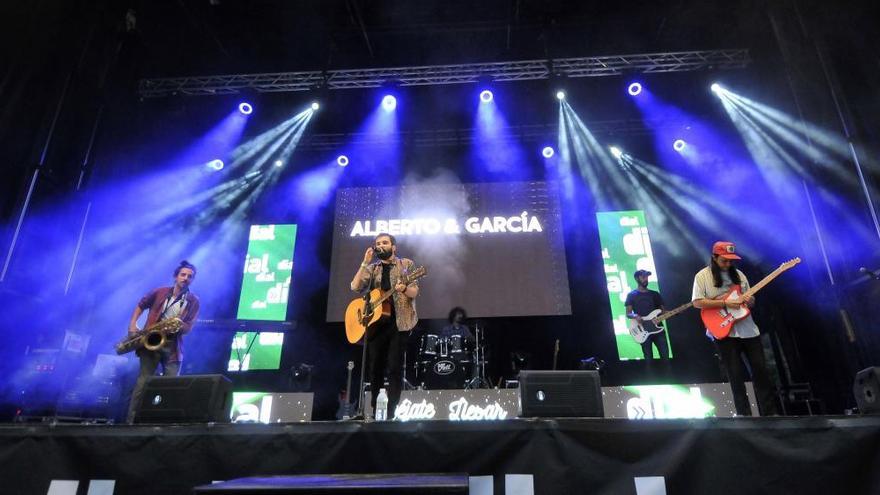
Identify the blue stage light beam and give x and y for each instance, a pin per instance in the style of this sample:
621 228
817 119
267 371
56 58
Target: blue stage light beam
496 152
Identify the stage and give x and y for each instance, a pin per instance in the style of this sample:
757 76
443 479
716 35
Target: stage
820 454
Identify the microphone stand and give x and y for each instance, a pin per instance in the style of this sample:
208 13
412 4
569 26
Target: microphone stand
480 380
362 389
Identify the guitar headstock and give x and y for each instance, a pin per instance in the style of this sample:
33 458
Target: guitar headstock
790 263
415 274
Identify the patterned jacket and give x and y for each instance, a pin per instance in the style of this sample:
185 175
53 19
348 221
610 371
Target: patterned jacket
404 306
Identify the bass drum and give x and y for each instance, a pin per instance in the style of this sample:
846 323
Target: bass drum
444 373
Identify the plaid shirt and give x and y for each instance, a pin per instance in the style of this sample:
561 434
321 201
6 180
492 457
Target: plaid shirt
404 306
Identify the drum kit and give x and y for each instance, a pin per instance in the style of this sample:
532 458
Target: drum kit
451 362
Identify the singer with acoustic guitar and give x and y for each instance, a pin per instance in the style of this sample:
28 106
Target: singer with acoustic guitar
386 339
713 287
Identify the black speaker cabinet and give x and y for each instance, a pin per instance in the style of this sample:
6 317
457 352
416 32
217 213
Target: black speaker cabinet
185 399
867 390
560 394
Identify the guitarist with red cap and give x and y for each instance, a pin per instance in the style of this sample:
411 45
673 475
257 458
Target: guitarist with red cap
711 285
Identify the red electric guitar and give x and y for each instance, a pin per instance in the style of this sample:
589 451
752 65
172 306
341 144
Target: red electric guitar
719 321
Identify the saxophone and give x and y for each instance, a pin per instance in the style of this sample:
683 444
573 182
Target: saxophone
152 338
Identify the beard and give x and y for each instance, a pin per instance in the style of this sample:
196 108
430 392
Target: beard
384 255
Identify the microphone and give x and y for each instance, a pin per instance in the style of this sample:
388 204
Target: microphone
870 273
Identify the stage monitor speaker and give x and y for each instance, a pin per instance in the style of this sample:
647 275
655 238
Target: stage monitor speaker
185 399
867 390
560 394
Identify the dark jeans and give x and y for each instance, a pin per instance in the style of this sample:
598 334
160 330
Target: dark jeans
385 348
658 339
150 361
731 350
661 373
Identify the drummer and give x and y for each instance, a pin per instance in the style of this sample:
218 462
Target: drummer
456 326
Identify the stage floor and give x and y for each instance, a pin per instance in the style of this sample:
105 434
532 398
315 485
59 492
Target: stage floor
515 456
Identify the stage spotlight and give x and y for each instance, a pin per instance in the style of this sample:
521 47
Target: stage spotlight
679 145
245 108
216 164
634 89
716 88
389 103
486 96
560 95
342 160
616 152
548 151
278 163
315 105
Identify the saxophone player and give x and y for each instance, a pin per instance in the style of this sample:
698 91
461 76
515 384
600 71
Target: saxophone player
164 303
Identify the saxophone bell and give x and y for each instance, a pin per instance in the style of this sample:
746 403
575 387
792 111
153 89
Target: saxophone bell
152 338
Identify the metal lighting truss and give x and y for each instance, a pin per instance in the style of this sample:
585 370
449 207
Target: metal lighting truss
531 133
526 70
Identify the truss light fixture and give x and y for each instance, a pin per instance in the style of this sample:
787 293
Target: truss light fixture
389 103
615 152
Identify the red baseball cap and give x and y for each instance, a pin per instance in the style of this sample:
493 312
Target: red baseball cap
726 250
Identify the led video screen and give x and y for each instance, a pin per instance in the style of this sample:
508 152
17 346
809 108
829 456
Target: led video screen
255 351
494 248
626 247
268 267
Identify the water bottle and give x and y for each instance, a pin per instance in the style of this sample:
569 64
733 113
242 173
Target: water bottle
382 406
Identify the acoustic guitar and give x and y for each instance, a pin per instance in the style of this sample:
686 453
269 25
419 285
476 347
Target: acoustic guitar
719 321
374 307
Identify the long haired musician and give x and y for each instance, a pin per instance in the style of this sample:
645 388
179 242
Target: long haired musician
164 303
711 285
386 339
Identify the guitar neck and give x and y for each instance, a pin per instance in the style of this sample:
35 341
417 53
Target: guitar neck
766 280
673 312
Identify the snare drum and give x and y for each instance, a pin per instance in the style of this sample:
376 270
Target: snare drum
429 344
